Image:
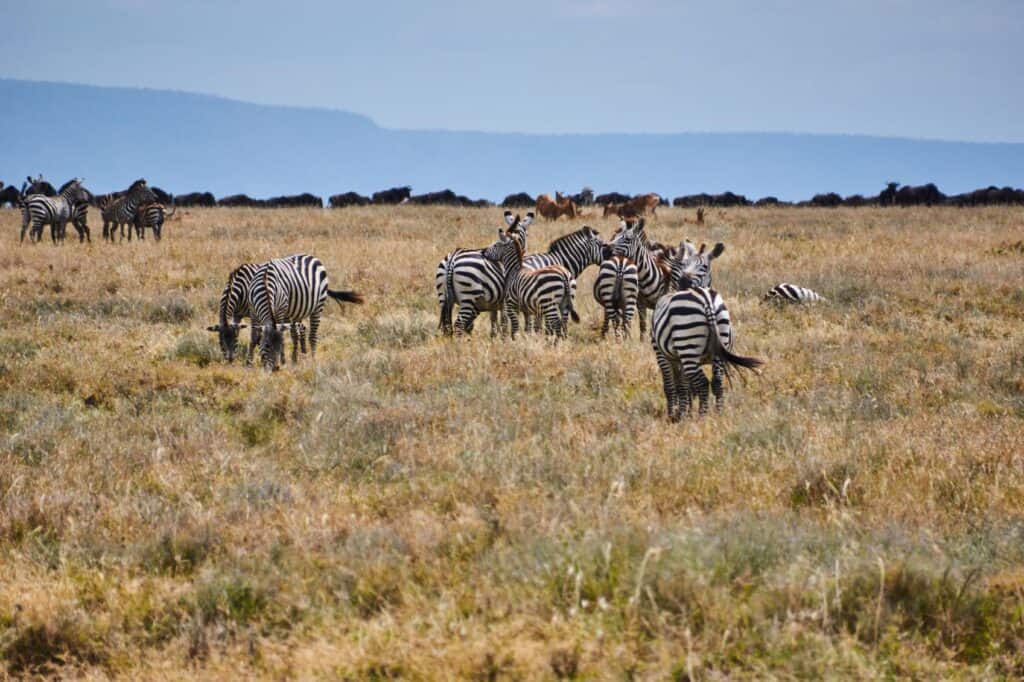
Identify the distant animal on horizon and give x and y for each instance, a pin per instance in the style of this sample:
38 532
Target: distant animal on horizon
395 195
347 199
791 293
9 195
120 211
553 209
152 216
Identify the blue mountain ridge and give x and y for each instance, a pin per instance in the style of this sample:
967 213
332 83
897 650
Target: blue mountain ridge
186 142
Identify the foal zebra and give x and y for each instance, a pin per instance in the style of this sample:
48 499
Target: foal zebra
235 305
474 282
285 291
575 252
545 291
151 215
616 289
689 328
70 205
791 293
120 211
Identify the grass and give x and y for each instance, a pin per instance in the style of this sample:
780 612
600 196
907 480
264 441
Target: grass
409 506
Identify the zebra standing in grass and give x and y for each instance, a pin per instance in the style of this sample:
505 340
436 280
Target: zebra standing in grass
120 211
152 215
286 291
235 305
689 328
575 252
652 268
465 277
546 291
616 289
69 205
791 293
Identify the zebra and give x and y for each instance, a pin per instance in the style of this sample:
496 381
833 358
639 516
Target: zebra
616 289
70 204
791 293
575 251
691 327
652 268
235 305
119 211
286 291
476 283
151 215
545 291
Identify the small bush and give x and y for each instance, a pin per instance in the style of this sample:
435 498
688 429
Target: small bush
197 348
174 310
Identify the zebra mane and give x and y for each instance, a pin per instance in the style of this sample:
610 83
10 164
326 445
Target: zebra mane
67 184
557 244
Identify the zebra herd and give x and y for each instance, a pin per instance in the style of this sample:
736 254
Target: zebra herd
137 208
277 296
690 325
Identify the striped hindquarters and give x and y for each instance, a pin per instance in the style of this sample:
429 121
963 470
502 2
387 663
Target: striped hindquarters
467 279
38 210
681 328
547 292
791 293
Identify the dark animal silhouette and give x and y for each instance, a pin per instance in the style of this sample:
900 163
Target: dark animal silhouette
767 201
923 195
347 199
829 200
519 200
723 200
240 201
304 200
9 195
395 195
887 197
195 199
612 198
37 186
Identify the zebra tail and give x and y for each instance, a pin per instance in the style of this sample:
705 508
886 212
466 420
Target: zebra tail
449 296
718 349
345 296
617 290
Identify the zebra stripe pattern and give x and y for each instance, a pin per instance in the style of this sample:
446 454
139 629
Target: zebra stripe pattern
652 268
616 289
689 328
152 216
791 293
286 291
545 292
70 205
467 278
575 252
120 211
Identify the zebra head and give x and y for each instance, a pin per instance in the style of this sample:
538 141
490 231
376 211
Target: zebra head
629 238
227 332
691 267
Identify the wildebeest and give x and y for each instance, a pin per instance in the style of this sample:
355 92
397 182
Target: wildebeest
395 195
162 196
585 197
927 195
988 196
553 209
855 200
887 197
37 186
723 200
518 200
304 200
446 198
195 199
240 200
612 198
347 199
9 194
829 200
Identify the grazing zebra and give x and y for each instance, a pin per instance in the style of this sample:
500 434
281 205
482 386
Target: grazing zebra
119 211
286 291
545 291
575 252
791 293
151 215
465 277
70 204
689 328
616 289
235 305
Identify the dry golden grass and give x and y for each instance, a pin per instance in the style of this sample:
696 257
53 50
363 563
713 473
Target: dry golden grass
412 506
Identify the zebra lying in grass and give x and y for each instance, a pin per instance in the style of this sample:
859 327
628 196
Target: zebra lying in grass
283 293
235 306
791 293
465 277
690 328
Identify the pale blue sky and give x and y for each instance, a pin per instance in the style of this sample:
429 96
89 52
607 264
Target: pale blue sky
939 69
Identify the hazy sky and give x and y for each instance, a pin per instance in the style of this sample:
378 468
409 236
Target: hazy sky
950 69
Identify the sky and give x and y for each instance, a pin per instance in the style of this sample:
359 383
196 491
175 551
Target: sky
938 69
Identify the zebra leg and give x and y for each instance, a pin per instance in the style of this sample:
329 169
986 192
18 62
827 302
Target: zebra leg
698 386
254 341
668 382
641 312
609 318
302 339
295 346
314 329
513 318
717 372
494 323
464 322
552 321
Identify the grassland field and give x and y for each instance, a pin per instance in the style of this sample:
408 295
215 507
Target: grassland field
416 507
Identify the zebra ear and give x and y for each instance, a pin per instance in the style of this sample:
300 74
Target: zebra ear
215 328
525 222
509 218
703 246
716 250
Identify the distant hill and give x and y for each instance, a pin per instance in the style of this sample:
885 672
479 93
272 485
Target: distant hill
185 142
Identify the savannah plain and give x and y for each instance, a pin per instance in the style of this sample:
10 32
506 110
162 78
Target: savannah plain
416 507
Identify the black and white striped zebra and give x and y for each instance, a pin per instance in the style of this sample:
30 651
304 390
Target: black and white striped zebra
546 291
575 252
652 268
286 291
119 211
152 216
69 205
235 306
616 289
467 278
791 293
691 327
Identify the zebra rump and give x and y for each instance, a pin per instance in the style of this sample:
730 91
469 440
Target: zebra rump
791 293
